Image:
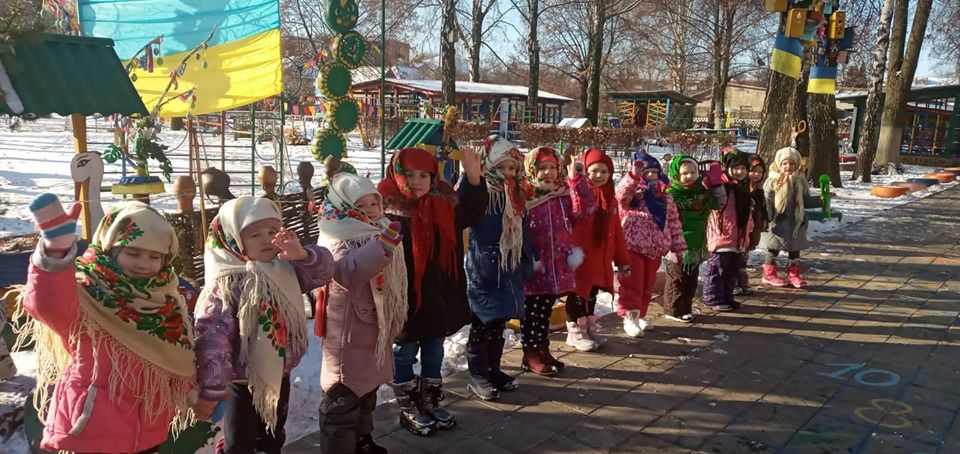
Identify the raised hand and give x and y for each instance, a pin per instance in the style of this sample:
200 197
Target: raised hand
390 237
572 170
638 166
289 245
713 176
58 229
472 165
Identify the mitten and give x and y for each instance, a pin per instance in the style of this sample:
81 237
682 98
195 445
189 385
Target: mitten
713 176
58 229
390 237
638 167
218 411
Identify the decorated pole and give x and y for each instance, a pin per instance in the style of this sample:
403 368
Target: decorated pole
383 87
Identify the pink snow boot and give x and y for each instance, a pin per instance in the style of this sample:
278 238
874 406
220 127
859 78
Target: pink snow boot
770 275
793 275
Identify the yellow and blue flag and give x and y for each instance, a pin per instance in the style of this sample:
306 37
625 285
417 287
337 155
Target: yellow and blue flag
241 63
823 80
786 56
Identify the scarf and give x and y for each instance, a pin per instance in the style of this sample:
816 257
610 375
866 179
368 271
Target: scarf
653 197
739 189
694 203
142 324
787 187
269 304
431 216
508 195
539 194
605 195
342 222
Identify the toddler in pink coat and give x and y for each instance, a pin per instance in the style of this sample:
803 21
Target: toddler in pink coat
110 331
651 228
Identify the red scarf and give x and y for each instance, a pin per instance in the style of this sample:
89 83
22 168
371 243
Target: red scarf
430 216
606 195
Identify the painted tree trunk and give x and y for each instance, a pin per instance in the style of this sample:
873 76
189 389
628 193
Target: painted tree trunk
777 115
595 62
533 56
476 40
866 148
824 144
801 141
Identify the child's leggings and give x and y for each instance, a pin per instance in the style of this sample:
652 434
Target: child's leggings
743 279
345 418
772 254
578 306
535 325
723 269
680 289
244 430
636 290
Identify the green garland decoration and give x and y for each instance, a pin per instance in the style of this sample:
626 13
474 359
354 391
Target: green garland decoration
344 114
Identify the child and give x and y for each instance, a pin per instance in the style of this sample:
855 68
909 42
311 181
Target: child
787 197
554 207
115 334
694 203
601 237
365 308
651 228
432 218
498 260
757 174
254 270
728 235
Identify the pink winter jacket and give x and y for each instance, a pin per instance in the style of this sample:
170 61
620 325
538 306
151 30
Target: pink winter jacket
82 417
350 342
722 232
642 234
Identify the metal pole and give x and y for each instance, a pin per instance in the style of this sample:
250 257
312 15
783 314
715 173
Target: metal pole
383 87
253 149
283 119
223 140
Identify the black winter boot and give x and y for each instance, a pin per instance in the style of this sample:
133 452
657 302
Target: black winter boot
478 363
500 380
365 445
430 393
411 418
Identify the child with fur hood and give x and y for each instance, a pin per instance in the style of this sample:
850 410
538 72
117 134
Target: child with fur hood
432 217
787 195
651 228
556 204
364 307
756 175
255 270
728 234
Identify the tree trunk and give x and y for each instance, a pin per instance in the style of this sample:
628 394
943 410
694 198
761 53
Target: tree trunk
802 140
716 111
898 85
726 45
866 149
448 53
777 115
594 61
533 55
476 39
824 144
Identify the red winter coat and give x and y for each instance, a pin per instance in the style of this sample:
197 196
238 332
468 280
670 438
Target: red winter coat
596 270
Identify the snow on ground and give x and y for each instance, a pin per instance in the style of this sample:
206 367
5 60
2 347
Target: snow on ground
36 160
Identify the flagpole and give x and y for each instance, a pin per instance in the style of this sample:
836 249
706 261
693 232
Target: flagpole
383 86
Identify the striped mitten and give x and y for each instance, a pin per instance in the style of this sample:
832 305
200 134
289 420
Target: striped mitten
58 229
390 237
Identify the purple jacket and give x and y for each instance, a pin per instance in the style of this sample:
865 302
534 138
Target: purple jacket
218 336
551 229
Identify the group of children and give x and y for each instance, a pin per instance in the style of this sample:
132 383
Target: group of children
396 275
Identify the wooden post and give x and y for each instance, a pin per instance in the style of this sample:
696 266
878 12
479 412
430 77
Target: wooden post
79 124
223 141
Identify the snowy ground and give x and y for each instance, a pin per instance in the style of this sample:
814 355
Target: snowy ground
36 160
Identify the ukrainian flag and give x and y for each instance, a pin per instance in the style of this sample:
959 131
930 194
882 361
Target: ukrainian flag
823 80
242 58
786 56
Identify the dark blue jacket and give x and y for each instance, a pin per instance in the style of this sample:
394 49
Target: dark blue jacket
495 294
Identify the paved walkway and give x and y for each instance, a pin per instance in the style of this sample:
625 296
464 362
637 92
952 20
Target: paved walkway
864 361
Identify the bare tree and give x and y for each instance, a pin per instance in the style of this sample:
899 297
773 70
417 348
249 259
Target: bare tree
868 131
448 52
603 12
474 38
945 37
531 11
904 55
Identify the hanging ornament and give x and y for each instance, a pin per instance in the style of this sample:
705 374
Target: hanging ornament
160 61
133 77
182 70
204 64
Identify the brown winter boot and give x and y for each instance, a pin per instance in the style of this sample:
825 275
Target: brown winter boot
534 361
551 360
